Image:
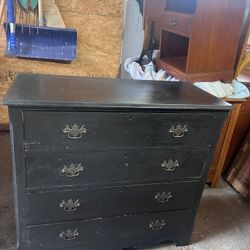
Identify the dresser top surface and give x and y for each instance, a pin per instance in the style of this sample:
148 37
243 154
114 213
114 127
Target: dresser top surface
66 91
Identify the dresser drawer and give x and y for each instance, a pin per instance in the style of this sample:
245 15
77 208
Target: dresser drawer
82 233
65 205
177 22
122 166
67 131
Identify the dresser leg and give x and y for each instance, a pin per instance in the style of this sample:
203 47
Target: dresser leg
21 248
184 241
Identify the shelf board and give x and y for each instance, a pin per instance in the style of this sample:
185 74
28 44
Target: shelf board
176 66
173 64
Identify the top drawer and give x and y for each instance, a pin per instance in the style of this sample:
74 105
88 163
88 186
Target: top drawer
177 22
72 131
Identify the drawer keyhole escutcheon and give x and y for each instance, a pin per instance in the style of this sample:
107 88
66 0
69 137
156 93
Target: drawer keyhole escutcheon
173 22
69 234
170 166
70 205
178 131
163 197
73 170
75 132
157 225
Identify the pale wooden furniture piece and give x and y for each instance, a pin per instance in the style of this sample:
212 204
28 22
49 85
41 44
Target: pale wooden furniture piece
224 142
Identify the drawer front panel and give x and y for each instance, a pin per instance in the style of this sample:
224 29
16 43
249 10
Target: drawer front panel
91 203
177 23
82 233
114 167
67 131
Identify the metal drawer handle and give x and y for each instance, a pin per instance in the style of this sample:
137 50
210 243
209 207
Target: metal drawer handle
170 166
70 205
163 197
178 131
157 225
173 22
75 132
73 170
69 234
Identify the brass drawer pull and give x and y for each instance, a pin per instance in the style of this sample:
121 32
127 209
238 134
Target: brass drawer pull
70 205
163 197
69 234
178 131
170 166
75 132
157 225
73 170
173 22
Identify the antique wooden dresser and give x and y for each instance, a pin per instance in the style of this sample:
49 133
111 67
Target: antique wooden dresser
102 164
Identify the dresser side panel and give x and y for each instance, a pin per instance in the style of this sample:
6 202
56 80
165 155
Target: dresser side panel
19 178
220 122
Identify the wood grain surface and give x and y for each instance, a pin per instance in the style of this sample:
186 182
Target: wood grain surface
99 25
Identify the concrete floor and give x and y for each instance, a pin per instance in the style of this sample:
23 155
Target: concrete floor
222 223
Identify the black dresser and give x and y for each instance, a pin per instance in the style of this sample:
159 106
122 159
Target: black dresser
104 164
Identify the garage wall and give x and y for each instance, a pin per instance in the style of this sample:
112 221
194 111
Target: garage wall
99 24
